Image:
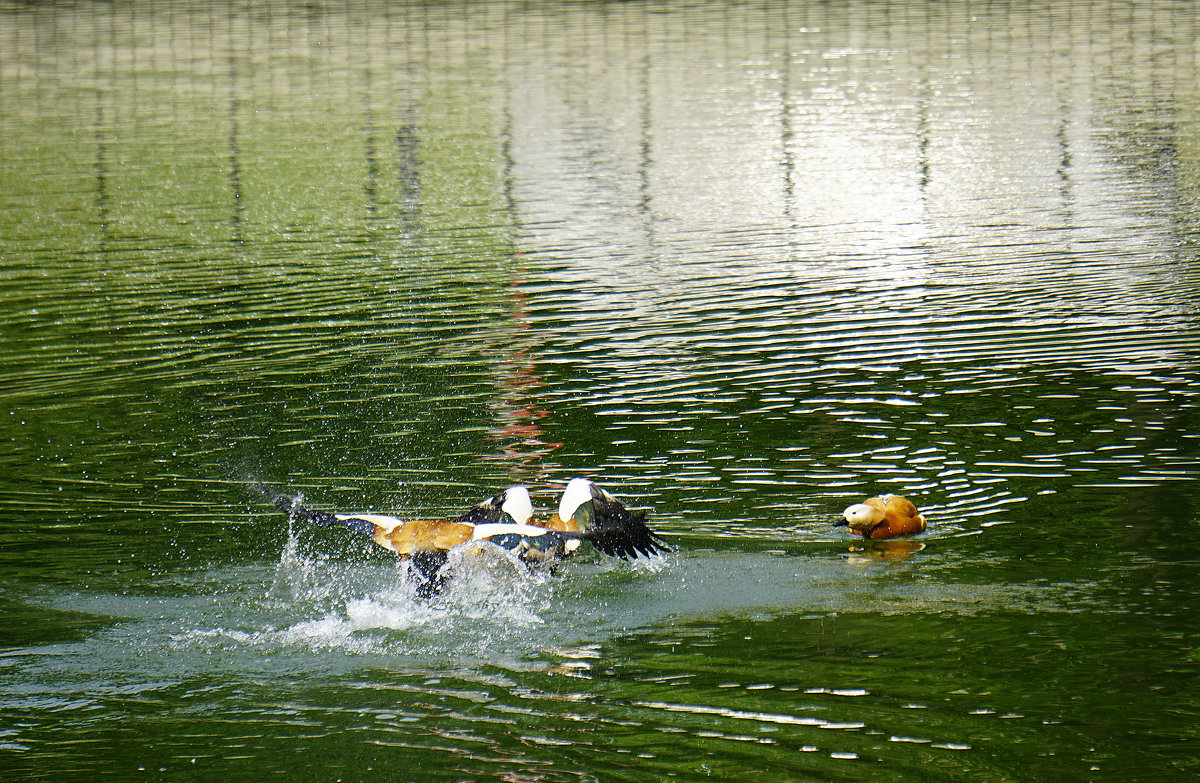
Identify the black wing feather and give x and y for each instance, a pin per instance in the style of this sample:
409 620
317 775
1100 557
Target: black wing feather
293 508
617 531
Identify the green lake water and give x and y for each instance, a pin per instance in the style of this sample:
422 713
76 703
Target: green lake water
742 264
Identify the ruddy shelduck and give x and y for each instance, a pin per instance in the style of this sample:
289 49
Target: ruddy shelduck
885 516
585 513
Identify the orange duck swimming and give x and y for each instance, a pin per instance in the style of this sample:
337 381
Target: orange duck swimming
885 516
585 513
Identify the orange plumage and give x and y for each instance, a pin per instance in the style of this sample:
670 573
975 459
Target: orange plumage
885 516
419 534
555 522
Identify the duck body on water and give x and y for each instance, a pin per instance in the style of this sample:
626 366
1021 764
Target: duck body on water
883 516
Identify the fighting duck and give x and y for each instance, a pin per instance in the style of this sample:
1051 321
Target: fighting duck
588 513
885 516
585 513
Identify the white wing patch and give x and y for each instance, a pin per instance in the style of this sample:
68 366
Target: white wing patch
379 520
497 528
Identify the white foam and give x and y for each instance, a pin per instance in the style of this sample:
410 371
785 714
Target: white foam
379 612
367 608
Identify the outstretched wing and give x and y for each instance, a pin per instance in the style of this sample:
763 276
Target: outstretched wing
371 525
423 543
615 530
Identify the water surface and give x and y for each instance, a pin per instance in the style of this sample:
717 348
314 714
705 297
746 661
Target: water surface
742 264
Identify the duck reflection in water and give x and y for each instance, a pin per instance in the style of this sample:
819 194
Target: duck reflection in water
585 513
888 549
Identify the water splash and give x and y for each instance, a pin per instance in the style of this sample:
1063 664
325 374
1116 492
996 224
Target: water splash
296 576
318 604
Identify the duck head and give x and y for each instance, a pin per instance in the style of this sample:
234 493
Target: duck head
512 506
515 503
577 505
861 518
